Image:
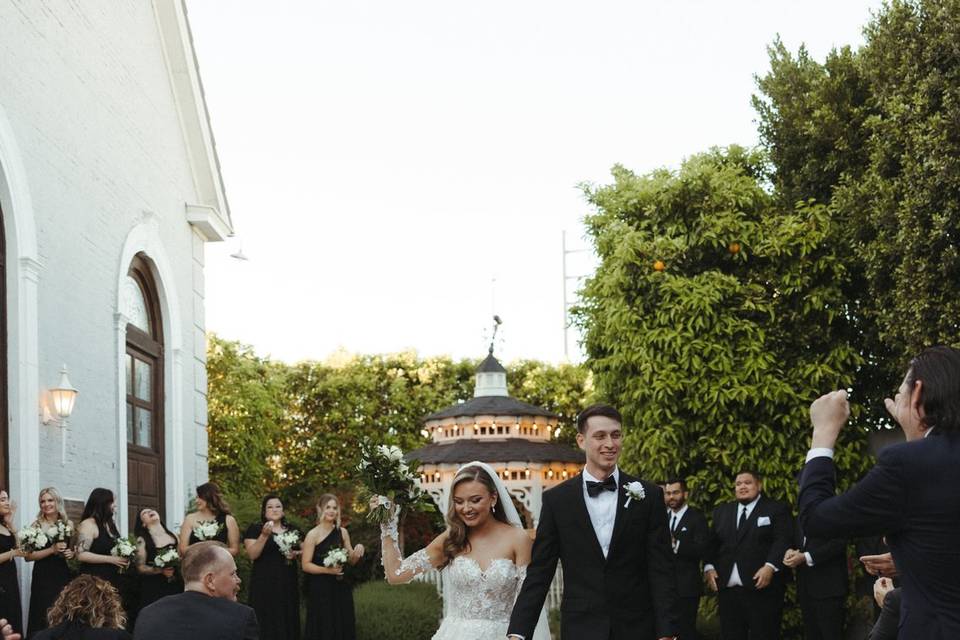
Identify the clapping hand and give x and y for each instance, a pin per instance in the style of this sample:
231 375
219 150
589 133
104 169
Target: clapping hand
357 553
881 565
881 588
793 558
829 413
7 631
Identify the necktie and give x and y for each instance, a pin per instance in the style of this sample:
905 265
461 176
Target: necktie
594 488
743 518
673 524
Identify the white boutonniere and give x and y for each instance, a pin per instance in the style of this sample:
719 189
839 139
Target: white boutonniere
634 491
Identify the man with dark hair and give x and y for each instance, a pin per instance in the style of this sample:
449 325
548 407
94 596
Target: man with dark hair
610 532
207 608
689 534
744 560
910 496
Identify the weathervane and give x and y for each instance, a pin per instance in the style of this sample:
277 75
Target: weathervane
496 325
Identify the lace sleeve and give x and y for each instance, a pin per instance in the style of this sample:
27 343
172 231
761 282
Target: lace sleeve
521 576
416 564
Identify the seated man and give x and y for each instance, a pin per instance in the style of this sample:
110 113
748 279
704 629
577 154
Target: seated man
207 608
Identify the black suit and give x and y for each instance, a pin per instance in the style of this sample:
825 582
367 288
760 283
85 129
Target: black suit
193 615
888 623
692 534
911 496
822 588
745 611
628 595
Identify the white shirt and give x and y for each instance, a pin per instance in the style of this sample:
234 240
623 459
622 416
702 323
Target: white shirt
602 510
679 515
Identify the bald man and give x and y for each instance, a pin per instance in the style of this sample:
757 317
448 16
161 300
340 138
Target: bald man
207 608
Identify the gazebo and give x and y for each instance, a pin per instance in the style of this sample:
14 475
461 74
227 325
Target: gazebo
513 437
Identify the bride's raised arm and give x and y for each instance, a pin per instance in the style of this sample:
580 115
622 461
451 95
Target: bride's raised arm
400 570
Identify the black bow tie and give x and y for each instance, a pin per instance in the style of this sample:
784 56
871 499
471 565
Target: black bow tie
594 488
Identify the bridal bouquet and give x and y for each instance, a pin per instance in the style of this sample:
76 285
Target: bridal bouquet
386 475
33 539
287 541
60 532
168 557
207 530
125 548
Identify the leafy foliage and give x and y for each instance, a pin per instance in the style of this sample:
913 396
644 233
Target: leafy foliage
713 320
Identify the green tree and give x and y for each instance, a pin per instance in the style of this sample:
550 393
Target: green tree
713 320
246 408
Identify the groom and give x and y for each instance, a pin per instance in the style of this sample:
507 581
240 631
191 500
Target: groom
609 530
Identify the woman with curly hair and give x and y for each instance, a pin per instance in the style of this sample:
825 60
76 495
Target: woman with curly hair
88 609
211 521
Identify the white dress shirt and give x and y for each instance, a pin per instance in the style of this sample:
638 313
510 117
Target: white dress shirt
671 514
602 510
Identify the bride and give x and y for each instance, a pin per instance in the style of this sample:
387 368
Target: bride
482 555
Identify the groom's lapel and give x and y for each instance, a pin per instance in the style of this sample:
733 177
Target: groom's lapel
622 512
583 516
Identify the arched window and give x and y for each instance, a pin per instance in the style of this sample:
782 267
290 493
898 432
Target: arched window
4 378
144 391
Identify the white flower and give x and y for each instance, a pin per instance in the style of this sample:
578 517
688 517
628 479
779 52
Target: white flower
42 539
286 541
206 530
335 558
53 531
634 491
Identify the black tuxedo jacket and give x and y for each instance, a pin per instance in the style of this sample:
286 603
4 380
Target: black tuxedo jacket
827 578
911 496
630 594
764 537
693 534
195 615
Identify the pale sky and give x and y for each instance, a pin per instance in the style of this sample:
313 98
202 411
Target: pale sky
398 170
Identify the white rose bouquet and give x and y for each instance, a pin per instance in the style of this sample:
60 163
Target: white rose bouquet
287 541
60 532
386 475
33 539
207 530
167 557
336 557
125 548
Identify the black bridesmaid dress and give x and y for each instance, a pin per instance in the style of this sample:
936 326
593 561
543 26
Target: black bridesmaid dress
329 600
123 581
221 535
50 576
156 586
274 593
10 586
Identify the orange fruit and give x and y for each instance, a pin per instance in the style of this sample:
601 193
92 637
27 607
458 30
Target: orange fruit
659 266
734 248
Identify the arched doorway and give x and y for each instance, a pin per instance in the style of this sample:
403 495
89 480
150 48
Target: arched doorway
4 378
144 392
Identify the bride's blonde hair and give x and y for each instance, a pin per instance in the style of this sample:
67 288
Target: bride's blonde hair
457 541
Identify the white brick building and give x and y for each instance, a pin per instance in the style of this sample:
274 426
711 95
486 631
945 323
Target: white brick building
109 188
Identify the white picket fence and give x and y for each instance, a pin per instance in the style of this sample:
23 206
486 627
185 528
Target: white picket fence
554 596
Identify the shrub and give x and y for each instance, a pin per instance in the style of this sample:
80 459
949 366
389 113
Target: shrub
405 612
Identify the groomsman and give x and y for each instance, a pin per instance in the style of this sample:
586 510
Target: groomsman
689 534
821 570
744 561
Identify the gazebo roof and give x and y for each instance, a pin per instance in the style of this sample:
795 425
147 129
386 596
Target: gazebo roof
507 450
490 406
490 365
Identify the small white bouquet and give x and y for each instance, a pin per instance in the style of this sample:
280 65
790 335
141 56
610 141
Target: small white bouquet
336 557
287 541
207 530
33 539
634 491
125 548
60 532
167 557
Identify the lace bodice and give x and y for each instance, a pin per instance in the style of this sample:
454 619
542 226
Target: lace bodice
472 593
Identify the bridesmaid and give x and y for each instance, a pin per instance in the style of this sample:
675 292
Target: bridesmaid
211 507
9 585
330 601
96 537
153 538
50 571
273 583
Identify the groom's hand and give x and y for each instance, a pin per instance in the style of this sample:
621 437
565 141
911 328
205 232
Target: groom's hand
712 580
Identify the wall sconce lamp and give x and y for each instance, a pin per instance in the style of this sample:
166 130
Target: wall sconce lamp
59 407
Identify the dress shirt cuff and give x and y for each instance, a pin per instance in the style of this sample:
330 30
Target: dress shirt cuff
772 566
819 452
806 554
708 567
